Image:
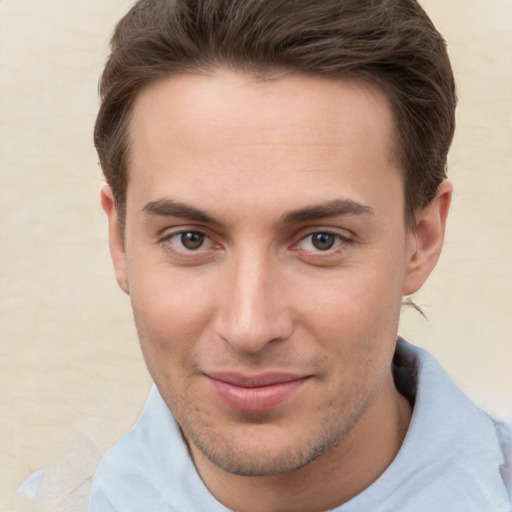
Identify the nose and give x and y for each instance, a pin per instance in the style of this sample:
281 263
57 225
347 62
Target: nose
255 309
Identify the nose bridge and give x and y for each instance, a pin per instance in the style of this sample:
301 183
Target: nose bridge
255 311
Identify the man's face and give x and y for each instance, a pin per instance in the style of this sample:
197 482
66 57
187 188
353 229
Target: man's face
266 258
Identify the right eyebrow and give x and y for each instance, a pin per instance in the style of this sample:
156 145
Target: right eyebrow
166 207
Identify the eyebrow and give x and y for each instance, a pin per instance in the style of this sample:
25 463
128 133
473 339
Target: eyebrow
171 208
335 208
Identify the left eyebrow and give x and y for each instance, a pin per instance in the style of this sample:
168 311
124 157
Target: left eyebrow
335 208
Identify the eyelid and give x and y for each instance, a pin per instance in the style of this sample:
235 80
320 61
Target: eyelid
343 238
170 231
167 235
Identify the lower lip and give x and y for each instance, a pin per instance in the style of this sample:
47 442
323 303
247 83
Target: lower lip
257 399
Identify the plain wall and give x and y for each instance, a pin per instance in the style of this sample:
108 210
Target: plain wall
72 379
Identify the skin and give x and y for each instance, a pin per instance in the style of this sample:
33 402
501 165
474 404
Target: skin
254 170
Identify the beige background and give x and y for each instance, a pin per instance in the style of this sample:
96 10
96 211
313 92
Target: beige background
71 376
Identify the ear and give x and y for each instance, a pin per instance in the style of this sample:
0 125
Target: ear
115 237
427 239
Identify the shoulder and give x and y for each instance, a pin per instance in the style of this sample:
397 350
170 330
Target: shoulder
454 456
457 451
150 469
504 433
131 473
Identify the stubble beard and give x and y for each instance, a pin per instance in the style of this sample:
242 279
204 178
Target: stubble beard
237 456
233 454
262 464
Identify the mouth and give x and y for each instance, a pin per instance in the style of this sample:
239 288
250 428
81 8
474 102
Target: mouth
255 393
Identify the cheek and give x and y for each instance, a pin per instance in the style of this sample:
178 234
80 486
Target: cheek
356 316
357 335
357 303
170 311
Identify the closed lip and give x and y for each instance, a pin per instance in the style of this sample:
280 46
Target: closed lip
254 381
255 393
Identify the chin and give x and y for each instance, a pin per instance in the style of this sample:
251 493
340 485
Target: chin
261 450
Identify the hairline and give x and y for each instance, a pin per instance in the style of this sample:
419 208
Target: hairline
396 150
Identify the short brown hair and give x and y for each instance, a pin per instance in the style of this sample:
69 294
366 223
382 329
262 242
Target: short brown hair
391 44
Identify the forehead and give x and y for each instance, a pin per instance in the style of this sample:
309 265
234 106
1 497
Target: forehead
212 133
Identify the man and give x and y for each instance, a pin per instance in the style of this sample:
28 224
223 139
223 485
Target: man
276 187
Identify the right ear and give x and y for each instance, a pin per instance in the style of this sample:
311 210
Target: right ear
115 238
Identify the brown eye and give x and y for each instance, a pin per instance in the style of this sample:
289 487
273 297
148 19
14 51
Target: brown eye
192 240
189 245
323 241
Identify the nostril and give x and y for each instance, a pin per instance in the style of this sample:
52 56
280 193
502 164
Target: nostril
253 333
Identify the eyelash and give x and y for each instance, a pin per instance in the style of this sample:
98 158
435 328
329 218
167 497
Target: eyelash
167 241
340 243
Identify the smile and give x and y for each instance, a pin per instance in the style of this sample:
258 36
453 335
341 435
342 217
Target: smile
257 393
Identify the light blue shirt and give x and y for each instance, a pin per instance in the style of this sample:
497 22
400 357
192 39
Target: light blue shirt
454 458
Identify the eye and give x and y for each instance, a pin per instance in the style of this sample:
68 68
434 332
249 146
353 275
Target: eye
189 241
321 241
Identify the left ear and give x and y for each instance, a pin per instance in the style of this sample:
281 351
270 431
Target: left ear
428 236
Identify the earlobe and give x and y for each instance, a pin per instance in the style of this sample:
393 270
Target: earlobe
115 237
428 239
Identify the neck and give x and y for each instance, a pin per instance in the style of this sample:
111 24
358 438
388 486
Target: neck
334 478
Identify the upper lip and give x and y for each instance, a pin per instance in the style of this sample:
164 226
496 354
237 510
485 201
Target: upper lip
256 380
